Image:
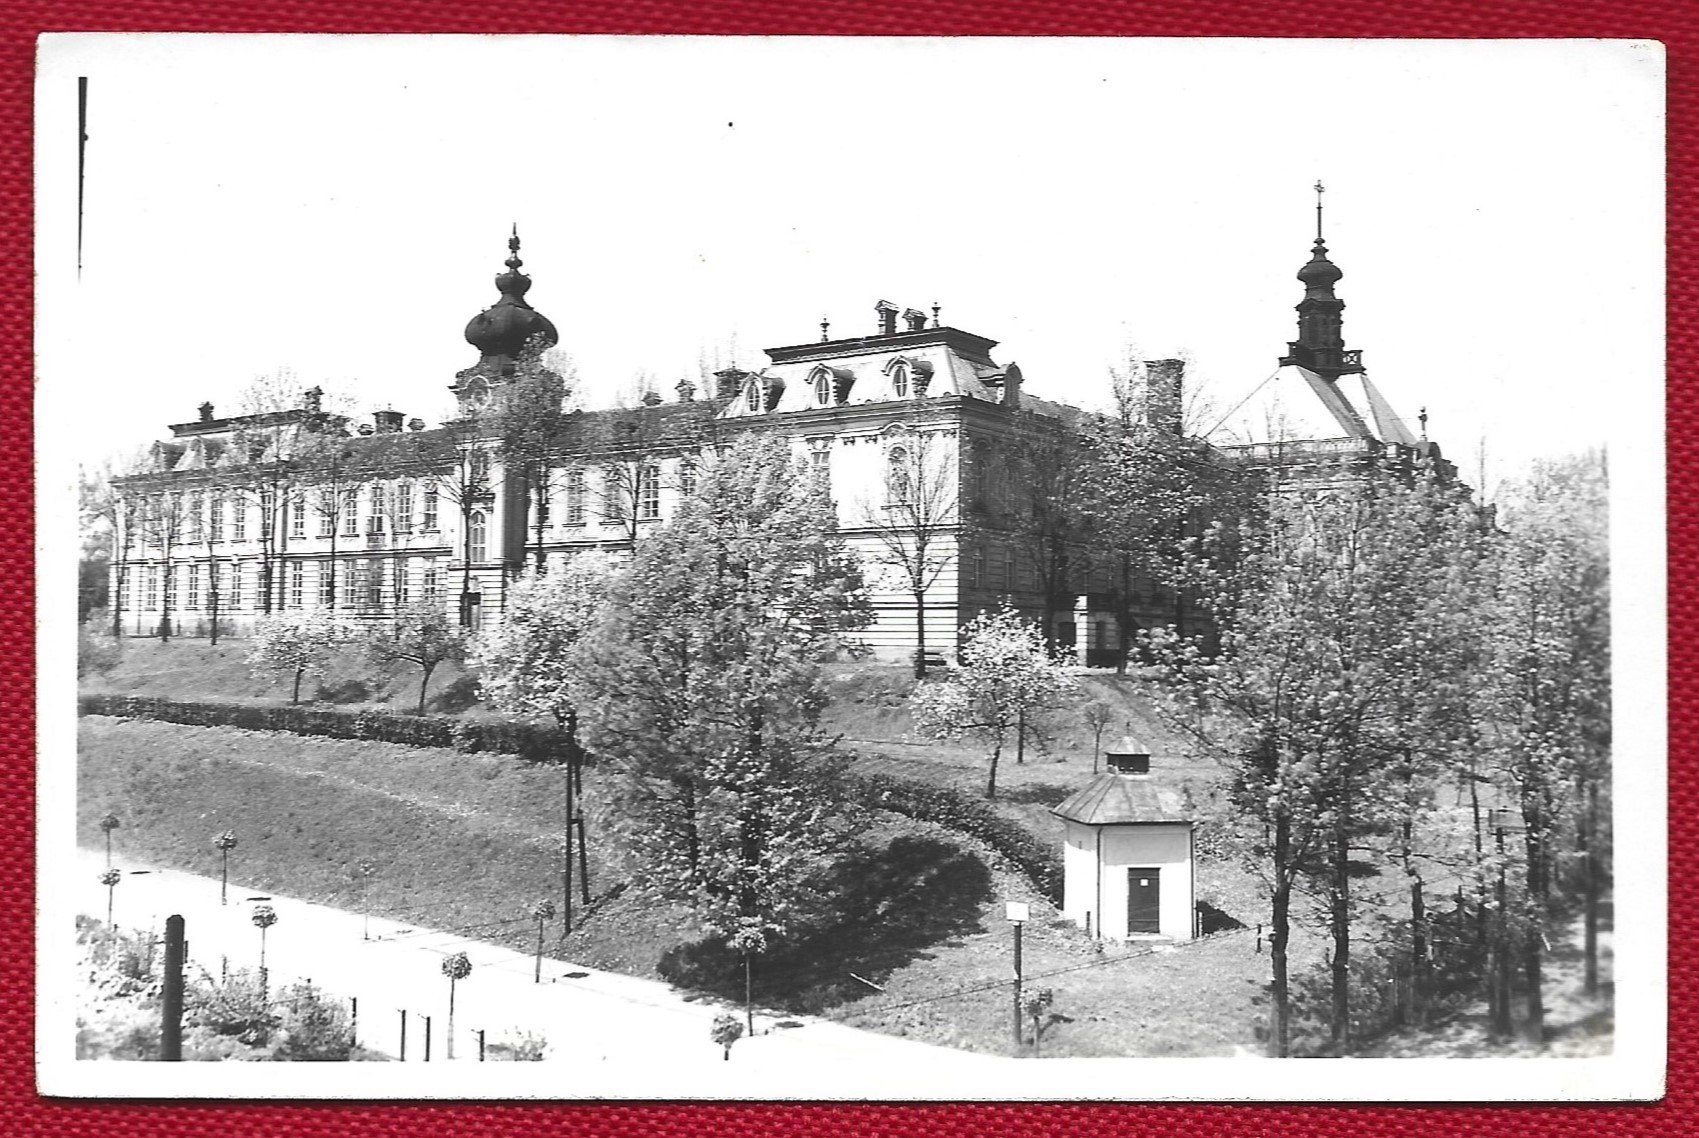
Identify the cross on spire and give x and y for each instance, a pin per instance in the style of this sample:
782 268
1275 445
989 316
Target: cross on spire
1320 189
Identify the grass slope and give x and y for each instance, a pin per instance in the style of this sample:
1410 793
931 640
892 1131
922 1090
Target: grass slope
196 670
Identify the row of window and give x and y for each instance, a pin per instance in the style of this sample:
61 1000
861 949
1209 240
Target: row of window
197 518
374 583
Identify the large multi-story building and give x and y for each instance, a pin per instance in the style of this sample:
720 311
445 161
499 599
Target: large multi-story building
912 429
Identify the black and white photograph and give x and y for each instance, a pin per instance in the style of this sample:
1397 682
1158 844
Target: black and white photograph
792 568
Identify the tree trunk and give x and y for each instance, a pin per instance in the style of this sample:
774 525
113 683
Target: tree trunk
920 634
1020 737
1418 954
566 870
165 599
1590 890
1534 1028
1340 919
991 783
540 484
117 601
1280 928
1123 617
295 696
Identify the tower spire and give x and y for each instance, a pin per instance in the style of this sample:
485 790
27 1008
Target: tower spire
1320 346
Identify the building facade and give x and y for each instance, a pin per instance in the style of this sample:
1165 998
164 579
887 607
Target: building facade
923 440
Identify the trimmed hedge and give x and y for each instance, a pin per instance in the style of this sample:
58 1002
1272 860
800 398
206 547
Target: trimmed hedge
954 810
538 744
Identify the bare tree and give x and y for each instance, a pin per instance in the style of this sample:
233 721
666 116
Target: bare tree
1049 512
470 484
527 420
162 527
111 520
918 522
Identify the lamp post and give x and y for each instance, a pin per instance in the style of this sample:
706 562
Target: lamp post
365 869
542 912
110 879
225 843
456 966
107 825
1018 913
264 916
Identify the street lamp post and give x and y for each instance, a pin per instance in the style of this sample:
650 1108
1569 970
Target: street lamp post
456 966
264 916
225 843
1018 913
542 912
110 879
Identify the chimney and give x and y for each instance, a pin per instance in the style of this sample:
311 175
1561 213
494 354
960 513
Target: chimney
651 398
728 382
415 424
388 422
206 412
1163 379
313 400
887 313
915 319
366 429
1012 386
686 391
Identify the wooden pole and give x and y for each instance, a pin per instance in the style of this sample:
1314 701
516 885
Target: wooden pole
171 999
1017 983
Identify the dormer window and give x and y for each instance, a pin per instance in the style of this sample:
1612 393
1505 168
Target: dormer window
822 388
752 397
899 381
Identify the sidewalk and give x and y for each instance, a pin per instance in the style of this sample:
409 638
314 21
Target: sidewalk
393 971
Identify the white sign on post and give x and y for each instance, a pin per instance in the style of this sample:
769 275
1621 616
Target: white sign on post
1017 911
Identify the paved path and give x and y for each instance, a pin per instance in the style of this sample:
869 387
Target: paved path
390 968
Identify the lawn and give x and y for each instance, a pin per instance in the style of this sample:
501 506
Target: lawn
468 842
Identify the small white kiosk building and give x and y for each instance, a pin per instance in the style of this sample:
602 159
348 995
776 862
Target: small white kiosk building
1127 857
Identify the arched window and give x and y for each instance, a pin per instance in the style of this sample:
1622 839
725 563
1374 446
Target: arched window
899 381
899 480
822 387
477 536
752 397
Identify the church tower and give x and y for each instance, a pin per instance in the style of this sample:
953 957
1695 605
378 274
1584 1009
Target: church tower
1320 346
509 335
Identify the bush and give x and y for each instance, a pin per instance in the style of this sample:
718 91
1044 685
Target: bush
315 1026
236 1007
954 810
536 744
519 1047
98 651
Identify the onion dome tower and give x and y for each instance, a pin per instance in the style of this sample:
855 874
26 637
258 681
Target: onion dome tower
1320 346
505 333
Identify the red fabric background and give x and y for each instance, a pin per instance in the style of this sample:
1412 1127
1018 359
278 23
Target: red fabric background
23 1113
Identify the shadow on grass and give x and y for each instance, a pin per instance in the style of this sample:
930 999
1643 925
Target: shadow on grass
456 697
1033 794
1213 920
888 905
344 691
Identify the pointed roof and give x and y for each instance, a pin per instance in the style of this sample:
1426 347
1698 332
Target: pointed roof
1116 800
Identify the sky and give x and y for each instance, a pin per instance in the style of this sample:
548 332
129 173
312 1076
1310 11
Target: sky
336 208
